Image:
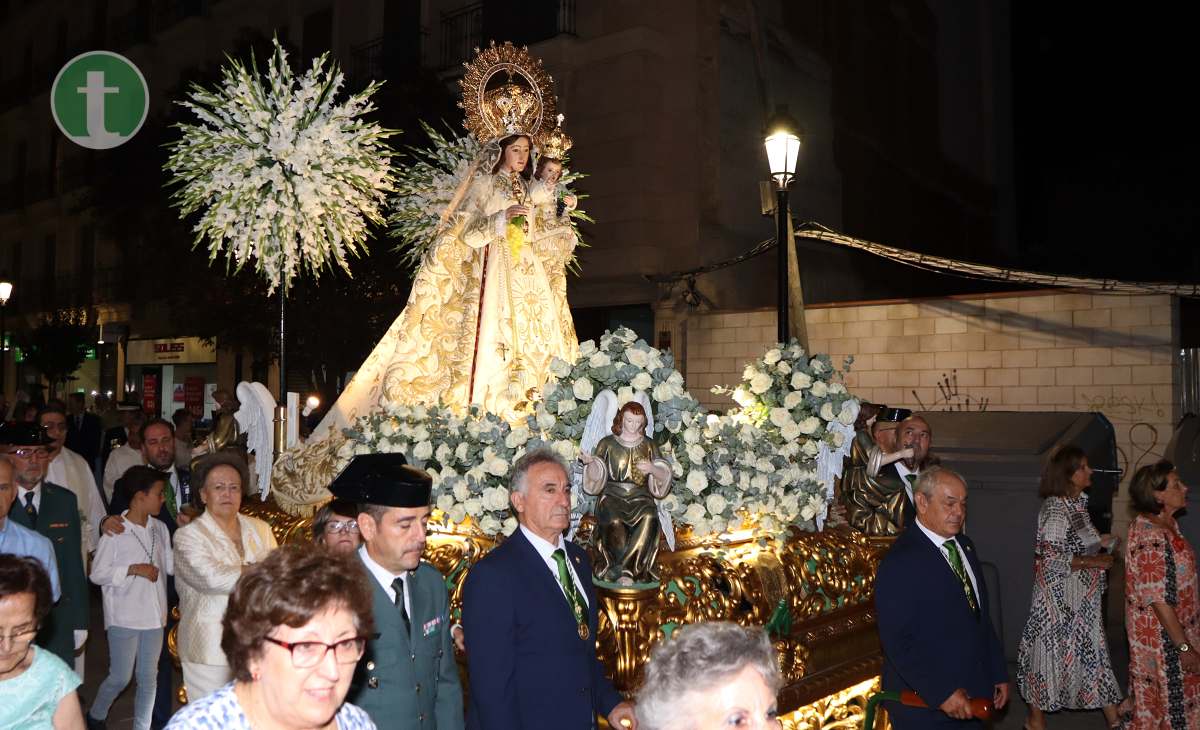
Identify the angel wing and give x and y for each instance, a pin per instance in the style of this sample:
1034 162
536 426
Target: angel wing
256 417
597 426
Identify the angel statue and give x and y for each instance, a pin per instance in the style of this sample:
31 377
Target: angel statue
488 310
630 474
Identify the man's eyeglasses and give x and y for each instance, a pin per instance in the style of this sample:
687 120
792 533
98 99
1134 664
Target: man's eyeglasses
308 654
336 528
18 638
30 452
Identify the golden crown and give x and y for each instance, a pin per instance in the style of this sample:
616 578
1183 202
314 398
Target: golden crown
521 103
557 144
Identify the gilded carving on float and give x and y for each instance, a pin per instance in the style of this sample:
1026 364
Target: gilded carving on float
842 710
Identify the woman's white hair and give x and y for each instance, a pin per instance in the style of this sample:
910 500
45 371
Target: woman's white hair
698 659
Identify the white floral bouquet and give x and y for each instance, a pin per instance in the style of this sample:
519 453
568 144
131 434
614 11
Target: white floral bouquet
799 402
283 174
468 458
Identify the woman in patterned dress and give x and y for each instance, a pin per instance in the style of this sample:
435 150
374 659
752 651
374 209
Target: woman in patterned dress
1162 605
1063 660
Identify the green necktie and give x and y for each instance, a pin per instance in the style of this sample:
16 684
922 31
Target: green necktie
957 565
169 493
564 578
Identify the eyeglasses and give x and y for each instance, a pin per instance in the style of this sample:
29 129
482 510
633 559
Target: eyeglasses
334 528
19 638
308 654
30 452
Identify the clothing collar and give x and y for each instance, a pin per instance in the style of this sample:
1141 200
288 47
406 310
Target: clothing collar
545 549
381 574
935 538
37 491
903 471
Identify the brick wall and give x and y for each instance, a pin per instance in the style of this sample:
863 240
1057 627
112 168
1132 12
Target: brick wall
1040 351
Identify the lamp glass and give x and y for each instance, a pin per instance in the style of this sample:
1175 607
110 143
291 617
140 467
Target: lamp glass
5 290
783 150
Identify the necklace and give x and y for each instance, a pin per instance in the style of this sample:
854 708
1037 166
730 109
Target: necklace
153 537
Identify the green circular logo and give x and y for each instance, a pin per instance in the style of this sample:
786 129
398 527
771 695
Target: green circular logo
99 100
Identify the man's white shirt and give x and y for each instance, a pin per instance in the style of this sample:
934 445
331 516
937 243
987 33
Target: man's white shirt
904 473
546 551
384 577
938 541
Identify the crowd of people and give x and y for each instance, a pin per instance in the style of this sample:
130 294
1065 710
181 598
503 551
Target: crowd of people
353 630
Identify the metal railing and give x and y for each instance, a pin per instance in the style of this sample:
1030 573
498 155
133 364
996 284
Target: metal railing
462 32
366 64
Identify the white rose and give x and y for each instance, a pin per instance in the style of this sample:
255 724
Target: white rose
849 413
764 465
490 525
716 504
566 449
420 433
641 381
560 368
448 472
461 492
675 378
793 399
495 498
458 513
827 411
783 367
599 360
809 448
809 425
838 439
724 476
445 503
516 437
545 419
624 395
817 365
837 388
423 451
497 467
587 347
773 356
696 453
636 357
388 429
693 513
719 524
460 452
443 454
582 388
696 481
691 436
510 526
742 397
566 405
800 380
759 482
749 372
702 527
473 506
820 389
790 431
662 392
780 417
761 383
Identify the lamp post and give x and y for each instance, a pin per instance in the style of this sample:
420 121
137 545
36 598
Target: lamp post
6 288
783 148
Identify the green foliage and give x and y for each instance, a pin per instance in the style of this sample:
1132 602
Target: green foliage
57 346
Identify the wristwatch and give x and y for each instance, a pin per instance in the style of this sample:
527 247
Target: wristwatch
1184 647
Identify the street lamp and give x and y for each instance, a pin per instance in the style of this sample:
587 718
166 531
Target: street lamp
783 147
6 288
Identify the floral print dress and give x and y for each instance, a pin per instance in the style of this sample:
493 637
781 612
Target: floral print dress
1063 659
1160 566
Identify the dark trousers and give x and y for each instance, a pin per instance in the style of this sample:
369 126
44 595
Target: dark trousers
164 696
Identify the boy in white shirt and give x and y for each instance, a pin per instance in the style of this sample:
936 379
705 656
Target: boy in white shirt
131 568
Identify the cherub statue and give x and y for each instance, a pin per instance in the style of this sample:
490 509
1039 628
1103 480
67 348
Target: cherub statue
627 470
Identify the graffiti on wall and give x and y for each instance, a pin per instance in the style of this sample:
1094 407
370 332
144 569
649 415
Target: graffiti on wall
950 398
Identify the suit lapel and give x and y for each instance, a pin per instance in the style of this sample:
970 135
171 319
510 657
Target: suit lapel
539 575
387 616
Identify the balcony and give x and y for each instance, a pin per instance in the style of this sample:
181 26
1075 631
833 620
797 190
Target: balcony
471 26
366 65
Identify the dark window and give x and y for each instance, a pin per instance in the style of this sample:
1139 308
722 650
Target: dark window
318 34
49 272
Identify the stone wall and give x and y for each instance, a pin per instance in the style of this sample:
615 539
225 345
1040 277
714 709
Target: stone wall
1036 351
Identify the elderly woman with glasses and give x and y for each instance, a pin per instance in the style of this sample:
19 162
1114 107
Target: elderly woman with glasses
37 689
711 676
335 526
296 625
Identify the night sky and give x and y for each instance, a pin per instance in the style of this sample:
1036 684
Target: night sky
1106 141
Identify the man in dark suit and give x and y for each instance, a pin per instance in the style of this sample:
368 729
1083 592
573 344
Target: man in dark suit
932 610
83 430
530 614
914 434
52 511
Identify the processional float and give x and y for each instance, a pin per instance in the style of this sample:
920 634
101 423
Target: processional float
691 516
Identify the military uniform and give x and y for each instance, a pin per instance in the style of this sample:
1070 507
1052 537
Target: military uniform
58 520
410 679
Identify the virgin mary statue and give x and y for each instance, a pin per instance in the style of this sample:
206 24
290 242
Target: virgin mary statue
488 306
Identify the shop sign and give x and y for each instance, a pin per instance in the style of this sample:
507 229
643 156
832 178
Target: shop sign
176 351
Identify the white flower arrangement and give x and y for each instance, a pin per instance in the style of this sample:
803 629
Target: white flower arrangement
468 458
283 175
799 404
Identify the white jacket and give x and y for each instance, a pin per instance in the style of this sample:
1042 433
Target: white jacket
207 566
